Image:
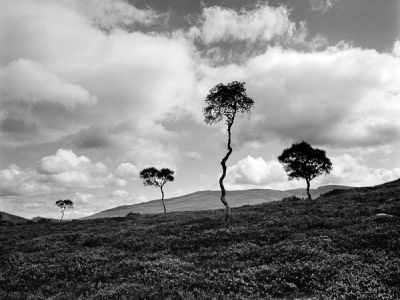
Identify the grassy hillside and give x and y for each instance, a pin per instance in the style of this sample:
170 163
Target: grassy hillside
336 247
206 200
6 217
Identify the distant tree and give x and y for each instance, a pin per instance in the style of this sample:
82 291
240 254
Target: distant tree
64 204
158 178
303 161
224 102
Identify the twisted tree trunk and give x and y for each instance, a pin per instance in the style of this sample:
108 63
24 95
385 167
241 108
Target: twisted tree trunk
62 214
162 199
308 189
221 179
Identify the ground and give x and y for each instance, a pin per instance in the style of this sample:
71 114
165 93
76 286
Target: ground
334 247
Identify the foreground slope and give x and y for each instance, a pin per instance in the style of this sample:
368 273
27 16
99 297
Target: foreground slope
337 247
205 200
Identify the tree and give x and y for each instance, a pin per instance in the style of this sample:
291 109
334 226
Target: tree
158 178
303 161
64 204
224 102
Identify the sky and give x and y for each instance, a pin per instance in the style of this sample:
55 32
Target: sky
91 92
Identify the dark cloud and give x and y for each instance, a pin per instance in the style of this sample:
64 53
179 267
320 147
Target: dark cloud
93 137
17 126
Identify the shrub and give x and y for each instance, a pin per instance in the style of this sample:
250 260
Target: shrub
132 214
291 199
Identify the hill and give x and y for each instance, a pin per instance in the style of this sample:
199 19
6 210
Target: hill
343 245
11 218
205 200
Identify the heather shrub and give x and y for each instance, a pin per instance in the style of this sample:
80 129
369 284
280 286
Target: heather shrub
328 248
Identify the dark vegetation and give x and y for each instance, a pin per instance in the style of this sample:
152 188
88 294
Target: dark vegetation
334 247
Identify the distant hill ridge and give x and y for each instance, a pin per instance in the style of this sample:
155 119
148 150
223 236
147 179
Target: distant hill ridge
206 200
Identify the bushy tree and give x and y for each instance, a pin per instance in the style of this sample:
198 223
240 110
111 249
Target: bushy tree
303 161
64 204
158 178
224 102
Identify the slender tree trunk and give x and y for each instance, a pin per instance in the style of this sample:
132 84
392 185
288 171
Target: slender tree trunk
162 199
62 214
221 179
308 189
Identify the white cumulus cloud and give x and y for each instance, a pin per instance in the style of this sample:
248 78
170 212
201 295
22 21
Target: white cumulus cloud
263 23
252 171
343 97
17 181
29 81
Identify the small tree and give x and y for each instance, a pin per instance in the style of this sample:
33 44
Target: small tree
223 103
64 204
303 161
158 178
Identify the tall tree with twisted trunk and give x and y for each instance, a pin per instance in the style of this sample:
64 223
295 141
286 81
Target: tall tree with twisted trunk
224 102
158 178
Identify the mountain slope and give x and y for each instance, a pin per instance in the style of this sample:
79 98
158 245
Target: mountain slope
205 200
11 218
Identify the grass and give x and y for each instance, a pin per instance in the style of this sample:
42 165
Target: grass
332 248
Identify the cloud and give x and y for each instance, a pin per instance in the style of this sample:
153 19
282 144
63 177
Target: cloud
194 155
92 137
111 14
144 153
29 81
16 181
61 173
351 170
17 126
67 169
343 97
106 74
120 193
262 23
322 6
396 49
127 171
354 171
83 197
67 160
252 171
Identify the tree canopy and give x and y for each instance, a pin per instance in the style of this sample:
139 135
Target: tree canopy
225 101
154 177
303 161
63 204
